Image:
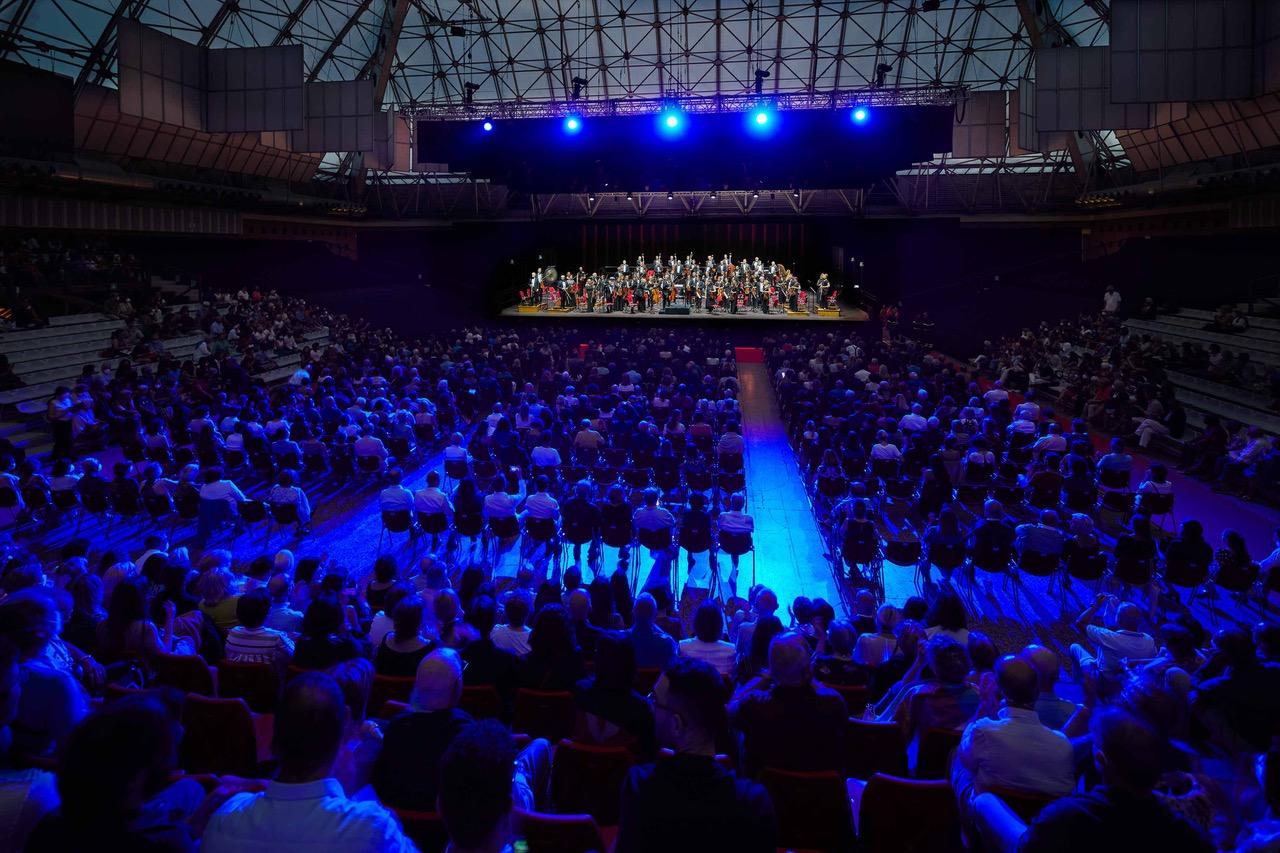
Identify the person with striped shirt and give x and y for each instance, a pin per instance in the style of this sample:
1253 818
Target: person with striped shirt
250 641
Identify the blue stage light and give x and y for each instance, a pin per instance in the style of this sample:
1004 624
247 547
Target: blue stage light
761 117
671 122
860 115
487 126
572 124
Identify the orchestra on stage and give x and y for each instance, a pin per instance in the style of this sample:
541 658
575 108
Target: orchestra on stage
724 286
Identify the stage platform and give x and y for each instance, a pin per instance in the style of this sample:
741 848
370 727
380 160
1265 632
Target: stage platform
843 315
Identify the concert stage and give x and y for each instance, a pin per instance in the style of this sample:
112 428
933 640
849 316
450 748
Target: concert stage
844 314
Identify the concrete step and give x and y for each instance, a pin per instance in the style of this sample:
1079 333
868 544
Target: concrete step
70 365
31 338
1205 316
1267 353
1221 390
1226 409
1254 332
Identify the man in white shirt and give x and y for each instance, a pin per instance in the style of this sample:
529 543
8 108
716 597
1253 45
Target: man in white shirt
540 505
251 641
455 451
430 500
395 497
735 521
914 421
1113 644
304 806
1028 409
731 442
216 488
1111 300
369 445
652 518
1014 749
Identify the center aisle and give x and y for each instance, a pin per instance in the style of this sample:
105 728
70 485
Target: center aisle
789 552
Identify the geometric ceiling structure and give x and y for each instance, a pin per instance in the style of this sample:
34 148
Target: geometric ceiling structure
521 51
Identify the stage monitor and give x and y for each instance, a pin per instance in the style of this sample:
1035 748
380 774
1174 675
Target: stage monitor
738 150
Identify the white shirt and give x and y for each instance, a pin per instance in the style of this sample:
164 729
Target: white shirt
514 640
222 490
432 501
885 451
1111 301
309 816
734 521
541 505
370 446
395 498
719 654
1114 646
545 457
1017 751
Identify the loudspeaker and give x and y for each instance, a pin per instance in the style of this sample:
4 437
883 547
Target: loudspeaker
676 309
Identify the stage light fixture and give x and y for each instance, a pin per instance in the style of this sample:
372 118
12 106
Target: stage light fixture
670 196
487 125
628 196
572 124
860 115
713 195
761 117
671 122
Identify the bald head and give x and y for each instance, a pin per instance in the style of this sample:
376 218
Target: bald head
789 660
1128 617
1046 665
1018 681
438 684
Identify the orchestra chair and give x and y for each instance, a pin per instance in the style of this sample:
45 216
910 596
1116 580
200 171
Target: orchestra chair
872 747
547 714
219 736
587 779
258 684
896 814
812 809
395 521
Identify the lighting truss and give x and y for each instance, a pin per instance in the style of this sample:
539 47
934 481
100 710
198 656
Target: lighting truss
845 99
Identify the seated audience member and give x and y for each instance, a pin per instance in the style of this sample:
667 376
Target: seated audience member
402 649
690 803
1122 812
756 659
477 777
555 660
26 794
841 663
785 719
287 491
947 617
993 532
282 617
764 602
216 588
485 662
513 635
324 640
1042 537
406 769
611 711
129 632
706 643
1113 641
652 518
1240 707
1052 710
251 641
115 783
51 701
1013 749
304 806
946 701
654 648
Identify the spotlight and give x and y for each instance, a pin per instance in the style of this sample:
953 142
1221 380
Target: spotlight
628 196
761 117
755 194
859 115
487 125
670 196
572 124
713 195
671 122
591 198
796 193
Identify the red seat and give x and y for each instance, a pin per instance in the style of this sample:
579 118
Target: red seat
587 779
936 746
188 673
386 688
855 697
258 684
392 709
219 736
873 747
896 815
1025 804
551 833
812 809
544 713
646 677
425 829
482 701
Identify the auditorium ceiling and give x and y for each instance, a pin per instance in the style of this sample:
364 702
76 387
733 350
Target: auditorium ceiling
490 52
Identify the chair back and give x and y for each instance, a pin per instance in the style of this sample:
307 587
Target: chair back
898 815
1237 578
397 520
861 543
470 525
97 502
544 713
434 523
734 543
936 746
425 829
1152 504
947 557
66 499
253 512
559 833
387 688
369 464
617 535
577 532
885 469
872 747
540 529
812 809
505 526
1179 571
1037 564
587 779
991 559
1025 804
855 696
188 673
456 469
694 536
1113 479
258 684
832 487
158 506
1133 570
482 701
1087 566
218 737
655 540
